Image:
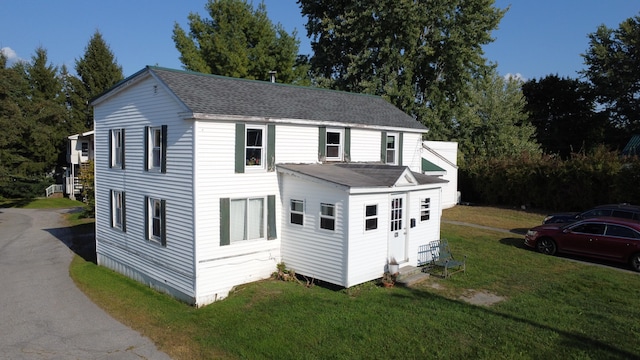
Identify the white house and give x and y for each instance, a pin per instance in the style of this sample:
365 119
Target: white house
79 152
440 158
205 182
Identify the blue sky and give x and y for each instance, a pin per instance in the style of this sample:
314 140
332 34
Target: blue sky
534 39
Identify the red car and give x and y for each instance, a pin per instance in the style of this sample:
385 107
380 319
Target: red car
603 238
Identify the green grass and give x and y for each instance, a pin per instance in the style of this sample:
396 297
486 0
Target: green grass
553 308
41 203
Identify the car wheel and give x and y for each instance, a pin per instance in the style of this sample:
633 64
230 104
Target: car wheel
546 246
635 262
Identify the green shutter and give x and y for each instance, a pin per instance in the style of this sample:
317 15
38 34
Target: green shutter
271 147
399 150
111 207
122 149
383 148
347 145
146 149
163 166
322 143
163 222
146 218
271 217
124 213
111 141
225 233
240 139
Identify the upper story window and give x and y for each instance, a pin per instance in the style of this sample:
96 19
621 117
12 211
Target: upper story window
117 148
85 148
254 147
391 149
334 144
156 148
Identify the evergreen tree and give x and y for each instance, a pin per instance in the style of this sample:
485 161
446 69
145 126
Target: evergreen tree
238 41
419 54
44 117
613 60
98 71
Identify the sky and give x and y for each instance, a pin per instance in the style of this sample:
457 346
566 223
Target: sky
535 38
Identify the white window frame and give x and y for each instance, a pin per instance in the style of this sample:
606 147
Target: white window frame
328 216
153 217
247 223
299 212
394 158
425 209
116 148
368 217
117 209
153 148
252 163
339 145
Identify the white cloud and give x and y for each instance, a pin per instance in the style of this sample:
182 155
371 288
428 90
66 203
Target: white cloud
516 76
10 54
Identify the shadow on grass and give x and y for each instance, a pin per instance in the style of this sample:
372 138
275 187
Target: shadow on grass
579 342
20 203
81 239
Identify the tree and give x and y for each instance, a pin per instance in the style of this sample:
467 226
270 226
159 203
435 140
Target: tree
563 112
419 54
494 123
44 117
613 60
239 41
98 72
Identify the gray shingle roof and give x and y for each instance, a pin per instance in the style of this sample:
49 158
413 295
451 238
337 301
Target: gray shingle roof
218 95
359 174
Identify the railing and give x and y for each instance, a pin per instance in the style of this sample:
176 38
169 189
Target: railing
52 189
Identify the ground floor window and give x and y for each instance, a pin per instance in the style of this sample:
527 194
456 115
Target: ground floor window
247 219
371 217
297 212
117 210
327 216
425 209
156 220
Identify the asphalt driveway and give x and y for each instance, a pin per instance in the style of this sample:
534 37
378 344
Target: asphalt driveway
42 313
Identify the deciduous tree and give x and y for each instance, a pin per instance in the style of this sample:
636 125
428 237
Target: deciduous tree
613 60
419 54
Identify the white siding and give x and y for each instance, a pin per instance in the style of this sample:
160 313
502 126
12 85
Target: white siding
316 253
296 144
220 268
425 231
412 151
447 160
133 109
367 249
365 145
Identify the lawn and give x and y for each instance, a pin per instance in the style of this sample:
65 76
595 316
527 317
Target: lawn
551 308
40 203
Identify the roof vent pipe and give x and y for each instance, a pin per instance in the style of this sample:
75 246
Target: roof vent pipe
272 76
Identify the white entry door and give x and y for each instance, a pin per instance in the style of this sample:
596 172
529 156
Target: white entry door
397 226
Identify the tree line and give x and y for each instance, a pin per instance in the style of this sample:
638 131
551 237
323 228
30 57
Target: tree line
424 56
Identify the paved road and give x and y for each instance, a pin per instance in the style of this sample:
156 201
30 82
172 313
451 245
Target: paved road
42 313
